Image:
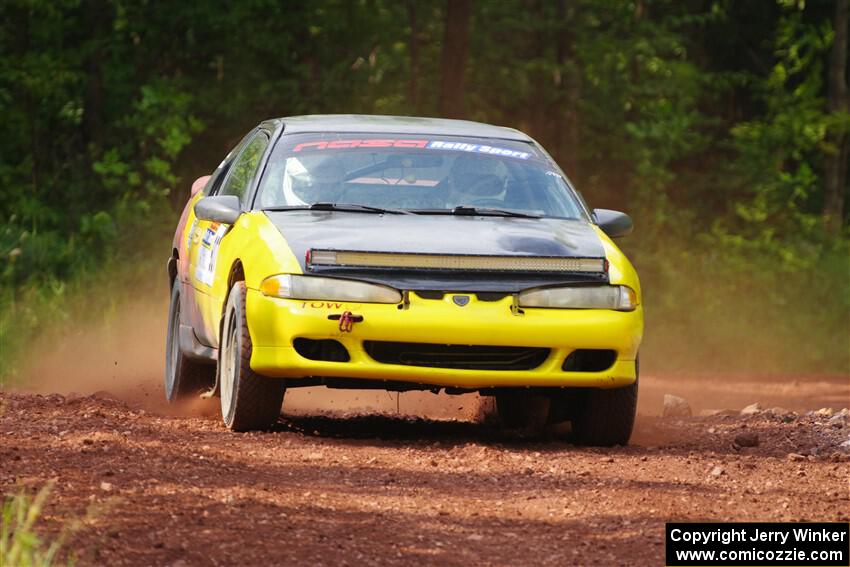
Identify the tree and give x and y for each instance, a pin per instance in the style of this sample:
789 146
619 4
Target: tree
413 83
455 50
835 168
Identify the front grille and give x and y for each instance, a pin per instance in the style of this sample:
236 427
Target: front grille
490 296
465 357
424 294
481 295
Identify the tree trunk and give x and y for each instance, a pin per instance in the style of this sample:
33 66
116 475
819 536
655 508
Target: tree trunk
537 121
413 86
21 34
97 13
568 131
835 175
455 49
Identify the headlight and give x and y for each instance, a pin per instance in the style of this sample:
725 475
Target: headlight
330 289
619 297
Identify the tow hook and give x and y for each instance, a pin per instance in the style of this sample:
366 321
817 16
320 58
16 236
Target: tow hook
515 308
346 320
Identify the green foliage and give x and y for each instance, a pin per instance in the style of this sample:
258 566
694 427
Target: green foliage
20 545
707 121
640 106
781 151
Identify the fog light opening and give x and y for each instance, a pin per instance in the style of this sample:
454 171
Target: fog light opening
325 350
589 360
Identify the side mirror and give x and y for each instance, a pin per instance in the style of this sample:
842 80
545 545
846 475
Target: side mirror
199 184
221 208
613 223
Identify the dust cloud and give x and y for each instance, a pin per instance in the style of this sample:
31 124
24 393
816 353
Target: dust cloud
120 353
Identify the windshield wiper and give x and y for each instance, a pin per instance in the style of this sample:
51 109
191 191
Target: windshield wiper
460 210
343 207
465 210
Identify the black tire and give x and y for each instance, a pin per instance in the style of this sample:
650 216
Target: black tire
604 418
249 400
184 377
523 409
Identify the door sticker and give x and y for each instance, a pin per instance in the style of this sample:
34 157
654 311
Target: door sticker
208 253
190 237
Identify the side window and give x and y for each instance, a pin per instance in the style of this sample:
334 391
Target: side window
215 181
220 172
244 167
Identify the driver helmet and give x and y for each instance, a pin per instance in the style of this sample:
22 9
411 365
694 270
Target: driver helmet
314 182
474 178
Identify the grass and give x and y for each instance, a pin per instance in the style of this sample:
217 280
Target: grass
20 545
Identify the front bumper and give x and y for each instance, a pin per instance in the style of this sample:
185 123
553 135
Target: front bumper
275 323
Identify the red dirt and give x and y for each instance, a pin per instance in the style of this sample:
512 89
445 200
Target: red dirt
351 488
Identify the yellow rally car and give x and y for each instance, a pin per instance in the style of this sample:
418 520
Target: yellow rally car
403 254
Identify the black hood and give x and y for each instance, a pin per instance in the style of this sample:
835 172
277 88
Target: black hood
441 234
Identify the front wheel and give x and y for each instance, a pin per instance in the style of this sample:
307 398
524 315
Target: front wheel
248 400
604 417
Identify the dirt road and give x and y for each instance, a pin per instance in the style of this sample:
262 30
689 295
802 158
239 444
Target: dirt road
379 489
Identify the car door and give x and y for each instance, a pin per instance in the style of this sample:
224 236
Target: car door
188 249
207 237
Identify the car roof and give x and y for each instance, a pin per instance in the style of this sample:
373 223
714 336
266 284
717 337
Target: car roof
365 123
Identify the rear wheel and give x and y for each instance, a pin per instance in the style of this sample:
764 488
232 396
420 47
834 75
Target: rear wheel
604 417
522 409
183 376
248 400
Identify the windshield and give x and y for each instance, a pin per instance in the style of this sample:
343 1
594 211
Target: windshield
415 173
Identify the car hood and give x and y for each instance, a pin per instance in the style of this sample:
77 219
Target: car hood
441 234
